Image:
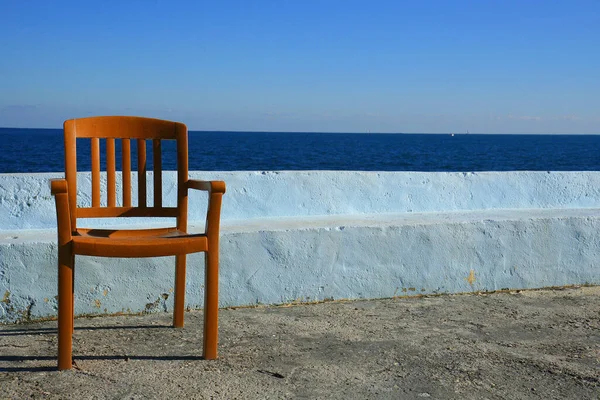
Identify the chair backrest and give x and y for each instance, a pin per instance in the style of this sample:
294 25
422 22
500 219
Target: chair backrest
126 129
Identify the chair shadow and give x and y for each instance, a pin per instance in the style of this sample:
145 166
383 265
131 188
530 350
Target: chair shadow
9 358
53 331
25 331
30 369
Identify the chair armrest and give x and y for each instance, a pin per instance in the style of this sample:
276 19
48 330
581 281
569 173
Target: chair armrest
215 191
60 191
209 186
58 186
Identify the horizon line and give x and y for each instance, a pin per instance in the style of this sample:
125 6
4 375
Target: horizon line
341 132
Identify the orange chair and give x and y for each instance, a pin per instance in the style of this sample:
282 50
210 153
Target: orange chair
174 241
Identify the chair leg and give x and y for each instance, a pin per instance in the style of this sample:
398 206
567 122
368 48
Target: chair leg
211 305
73 295
65 310
179 291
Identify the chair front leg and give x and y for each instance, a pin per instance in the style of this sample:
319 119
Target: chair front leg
66 275
211 303
216 190
65 307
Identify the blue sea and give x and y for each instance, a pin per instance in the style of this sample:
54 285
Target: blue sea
41 150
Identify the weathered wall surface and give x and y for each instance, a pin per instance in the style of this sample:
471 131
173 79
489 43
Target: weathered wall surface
303 236
26 203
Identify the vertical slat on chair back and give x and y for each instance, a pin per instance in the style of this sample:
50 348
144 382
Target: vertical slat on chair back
109 129
126 165
157 168
141 169
111 166
95 172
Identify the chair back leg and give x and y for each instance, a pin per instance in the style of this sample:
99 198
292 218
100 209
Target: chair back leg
179 301
73 294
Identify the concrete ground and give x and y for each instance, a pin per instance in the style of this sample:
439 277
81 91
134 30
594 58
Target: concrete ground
518 345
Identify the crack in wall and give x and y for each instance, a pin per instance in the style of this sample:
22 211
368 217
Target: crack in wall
16 309
156 305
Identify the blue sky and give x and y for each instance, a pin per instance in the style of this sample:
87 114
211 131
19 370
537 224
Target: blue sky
327 66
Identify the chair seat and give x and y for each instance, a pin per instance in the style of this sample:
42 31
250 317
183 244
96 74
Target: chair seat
137 243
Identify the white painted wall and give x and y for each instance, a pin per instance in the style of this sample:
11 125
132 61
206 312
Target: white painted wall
321 234
26 203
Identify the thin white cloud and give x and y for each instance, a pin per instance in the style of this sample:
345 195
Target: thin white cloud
513 117
566 118
524 117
